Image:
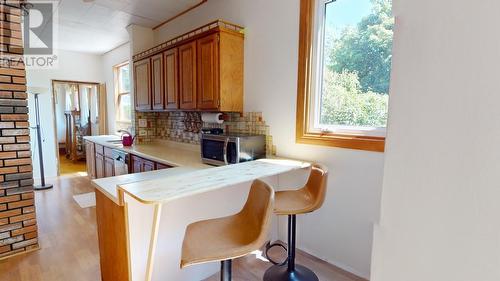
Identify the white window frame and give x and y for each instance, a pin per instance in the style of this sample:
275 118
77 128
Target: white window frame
118 94
317 85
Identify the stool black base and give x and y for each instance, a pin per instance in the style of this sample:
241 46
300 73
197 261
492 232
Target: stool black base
226 270
281 273
290 271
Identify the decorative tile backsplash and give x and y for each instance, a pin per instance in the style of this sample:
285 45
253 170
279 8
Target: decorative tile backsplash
185 126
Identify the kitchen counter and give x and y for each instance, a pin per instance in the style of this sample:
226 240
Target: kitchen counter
162 190
166 152
142 217
108 186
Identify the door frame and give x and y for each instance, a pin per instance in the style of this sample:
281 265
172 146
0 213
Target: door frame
54 120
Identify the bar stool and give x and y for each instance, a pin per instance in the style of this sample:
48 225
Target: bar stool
292 203
223 239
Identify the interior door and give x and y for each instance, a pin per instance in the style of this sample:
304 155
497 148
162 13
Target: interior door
171 79
142 84
208 72
157 81
187 75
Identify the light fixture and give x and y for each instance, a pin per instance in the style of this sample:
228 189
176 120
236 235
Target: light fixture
25 8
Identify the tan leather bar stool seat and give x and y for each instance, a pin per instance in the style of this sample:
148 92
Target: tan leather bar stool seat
294 202
223 239
305 200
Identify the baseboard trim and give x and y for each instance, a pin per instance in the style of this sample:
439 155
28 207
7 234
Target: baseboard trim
344 269
21 253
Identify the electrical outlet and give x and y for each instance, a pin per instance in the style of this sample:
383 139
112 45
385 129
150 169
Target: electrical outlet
143 123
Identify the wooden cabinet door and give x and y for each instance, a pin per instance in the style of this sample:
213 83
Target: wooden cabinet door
157 82
142 84
136 164
160 166
148 165
170 79
113 242
187 76
109 167
208 72
90 159
99 166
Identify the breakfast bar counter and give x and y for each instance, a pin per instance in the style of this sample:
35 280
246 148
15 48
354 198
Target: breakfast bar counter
163 190
158 208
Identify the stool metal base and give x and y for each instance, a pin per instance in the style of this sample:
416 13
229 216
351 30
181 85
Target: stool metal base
281 273
290 271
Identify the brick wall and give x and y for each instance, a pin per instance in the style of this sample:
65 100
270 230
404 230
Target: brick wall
18 228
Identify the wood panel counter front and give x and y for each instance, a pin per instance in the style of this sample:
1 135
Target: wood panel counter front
112 221
142 224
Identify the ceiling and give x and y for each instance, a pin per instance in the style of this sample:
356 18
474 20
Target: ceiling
99 26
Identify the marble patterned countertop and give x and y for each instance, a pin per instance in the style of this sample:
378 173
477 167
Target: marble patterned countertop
177 186
189 177
166 152
108 186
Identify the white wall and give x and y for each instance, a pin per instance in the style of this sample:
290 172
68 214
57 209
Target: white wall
60 108
72 66
109 60
341 232
440 203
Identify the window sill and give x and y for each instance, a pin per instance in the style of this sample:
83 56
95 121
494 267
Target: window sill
367 143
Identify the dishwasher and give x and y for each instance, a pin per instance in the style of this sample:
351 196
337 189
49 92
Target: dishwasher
121 160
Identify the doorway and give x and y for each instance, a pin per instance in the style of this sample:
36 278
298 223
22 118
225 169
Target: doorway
76 115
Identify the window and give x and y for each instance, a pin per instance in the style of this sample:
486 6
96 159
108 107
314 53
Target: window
345 54
123 101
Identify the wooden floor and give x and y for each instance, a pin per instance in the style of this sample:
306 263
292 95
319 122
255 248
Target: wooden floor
69 250
67 166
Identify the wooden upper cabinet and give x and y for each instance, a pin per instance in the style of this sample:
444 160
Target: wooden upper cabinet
230 63
187 76
204 74
171 79
142 84
208 72
157 82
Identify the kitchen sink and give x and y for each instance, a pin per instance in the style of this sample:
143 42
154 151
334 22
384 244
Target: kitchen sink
115 143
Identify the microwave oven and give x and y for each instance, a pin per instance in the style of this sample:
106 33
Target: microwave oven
228 149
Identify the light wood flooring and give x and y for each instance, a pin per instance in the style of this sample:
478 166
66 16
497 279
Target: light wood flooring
69 250
67 166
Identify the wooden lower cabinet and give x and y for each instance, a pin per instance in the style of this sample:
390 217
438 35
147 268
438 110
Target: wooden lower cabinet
148 166
111 230
90 159
99 165
109 167
160 166
140 165
136 164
